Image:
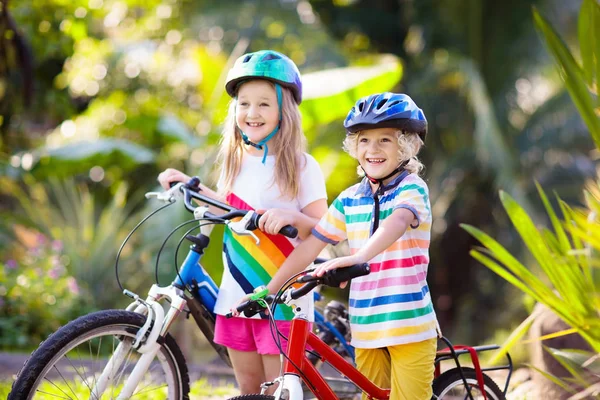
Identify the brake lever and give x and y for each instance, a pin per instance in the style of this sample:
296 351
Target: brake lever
239 227
168 196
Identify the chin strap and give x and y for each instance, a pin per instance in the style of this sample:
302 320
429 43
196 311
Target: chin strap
262 145
380 180
380 191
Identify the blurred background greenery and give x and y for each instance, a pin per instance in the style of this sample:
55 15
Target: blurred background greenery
98 96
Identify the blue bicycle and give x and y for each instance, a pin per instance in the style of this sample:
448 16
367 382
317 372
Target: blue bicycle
119 354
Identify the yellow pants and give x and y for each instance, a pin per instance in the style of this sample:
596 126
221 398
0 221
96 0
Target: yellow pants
406 368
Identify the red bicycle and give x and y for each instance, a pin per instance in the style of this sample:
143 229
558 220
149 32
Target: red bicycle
456 383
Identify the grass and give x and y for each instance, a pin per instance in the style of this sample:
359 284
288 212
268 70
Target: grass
200 389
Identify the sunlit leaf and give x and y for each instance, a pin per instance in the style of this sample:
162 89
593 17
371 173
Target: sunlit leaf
589 39
571 361
572 74
79 157
553 378
513 339
328 95
173 128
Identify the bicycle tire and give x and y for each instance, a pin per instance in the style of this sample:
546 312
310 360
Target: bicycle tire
450 385
253 397
120 326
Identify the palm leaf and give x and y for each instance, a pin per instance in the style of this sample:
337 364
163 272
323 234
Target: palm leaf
554 379
589 39
513 339
572 74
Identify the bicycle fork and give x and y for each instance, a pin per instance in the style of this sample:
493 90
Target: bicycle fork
146 340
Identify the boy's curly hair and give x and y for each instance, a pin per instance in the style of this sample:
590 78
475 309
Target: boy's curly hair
409 144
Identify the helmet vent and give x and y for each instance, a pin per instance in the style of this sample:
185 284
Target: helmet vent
393 103
271 56
381 104
361 105
248 57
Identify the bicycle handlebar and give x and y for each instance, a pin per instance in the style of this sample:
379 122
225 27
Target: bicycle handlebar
191 190
331 278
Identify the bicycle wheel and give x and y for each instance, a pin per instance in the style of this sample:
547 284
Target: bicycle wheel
253 397
74 362
450 386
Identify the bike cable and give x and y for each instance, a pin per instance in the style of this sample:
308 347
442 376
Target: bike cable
208 222
273 327
164 243
129 236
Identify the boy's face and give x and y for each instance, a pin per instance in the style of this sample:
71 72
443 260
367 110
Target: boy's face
377 151
257 111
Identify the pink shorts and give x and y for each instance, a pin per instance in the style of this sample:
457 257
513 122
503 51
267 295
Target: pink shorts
249 334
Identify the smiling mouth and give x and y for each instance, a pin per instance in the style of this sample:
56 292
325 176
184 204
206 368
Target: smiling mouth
255 124
375 160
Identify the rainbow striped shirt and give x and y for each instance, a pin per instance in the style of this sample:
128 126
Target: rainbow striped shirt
248 265
392 304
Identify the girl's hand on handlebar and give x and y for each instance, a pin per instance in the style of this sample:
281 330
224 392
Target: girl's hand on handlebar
234 310
336 263
247 298
170 175
273 220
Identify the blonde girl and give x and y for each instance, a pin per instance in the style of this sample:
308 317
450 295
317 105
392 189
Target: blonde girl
263 166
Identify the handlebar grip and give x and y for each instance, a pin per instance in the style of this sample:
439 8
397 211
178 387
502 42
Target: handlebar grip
251 307
248 308
335 277
192 184
304 289
288 230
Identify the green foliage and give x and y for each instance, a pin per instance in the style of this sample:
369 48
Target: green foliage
81 157
565 285
90 235
579 81
330 94
567 281
37 293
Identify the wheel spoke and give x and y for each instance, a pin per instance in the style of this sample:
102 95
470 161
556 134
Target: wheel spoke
58 387
148 391
85 382
125 366
65 381
62 361
55 395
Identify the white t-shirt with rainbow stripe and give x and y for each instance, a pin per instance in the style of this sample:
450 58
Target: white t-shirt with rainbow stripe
248 265
392 304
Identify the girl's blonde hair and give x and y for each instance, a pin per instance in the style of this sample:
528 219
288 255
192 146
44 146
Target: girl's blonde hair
287 146
409 145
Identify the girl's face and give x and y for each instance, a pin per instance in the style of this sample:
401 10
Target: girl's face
377 151
257 111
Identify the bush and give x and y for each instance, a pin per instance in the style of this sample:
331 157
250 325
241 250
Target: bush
37 295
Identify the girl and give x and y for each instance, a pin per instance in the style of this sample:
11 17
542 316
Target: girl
263 167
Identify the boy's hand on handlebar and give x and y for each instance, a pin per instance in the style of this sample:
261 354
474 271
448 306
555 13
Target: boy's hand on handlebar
273 220
171 175
336 263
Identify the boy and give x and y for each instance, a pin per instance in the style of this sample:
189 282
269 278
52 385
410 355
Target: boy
387 220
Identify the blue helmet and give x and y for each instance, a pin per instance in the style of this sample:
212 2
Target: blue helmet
386 110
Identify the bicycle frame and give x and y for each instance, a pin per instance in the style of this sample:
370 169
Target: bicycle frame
297 363
196 280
